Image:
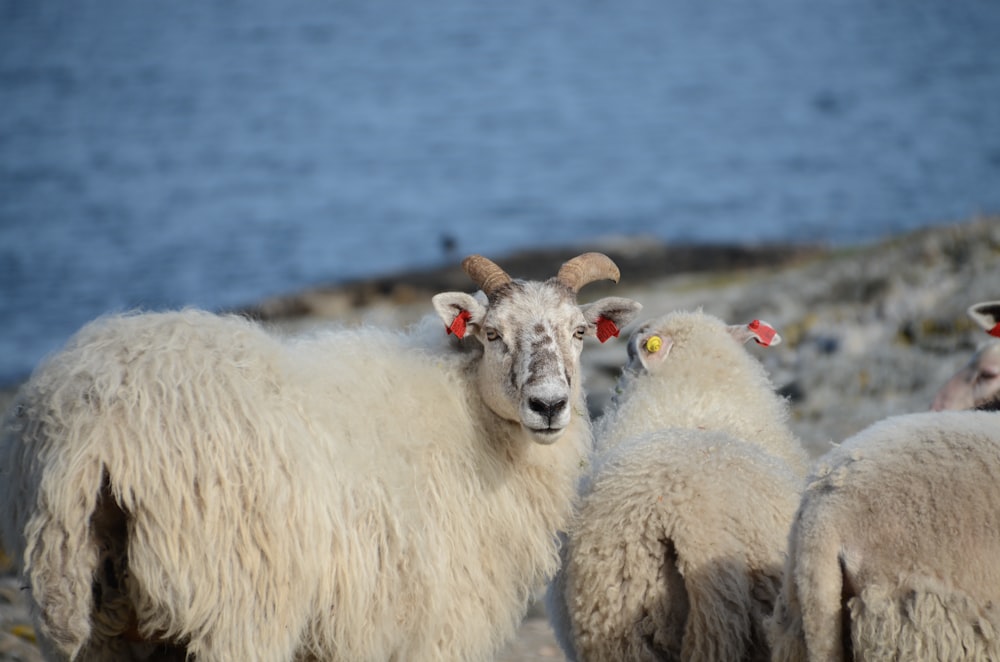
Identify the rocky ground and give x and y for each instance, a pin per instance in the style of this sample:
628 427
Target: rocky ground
869 332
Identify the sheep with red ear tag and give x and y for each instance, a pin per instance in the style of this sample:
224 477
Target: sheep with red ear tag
189 481
677 548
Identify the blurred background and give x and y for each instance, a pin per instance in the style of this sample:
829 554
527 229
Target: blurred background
214 152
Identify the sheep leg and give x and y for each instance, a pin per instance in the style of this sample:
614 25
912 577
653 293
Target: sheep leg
718 624
820 578
784 626
61 557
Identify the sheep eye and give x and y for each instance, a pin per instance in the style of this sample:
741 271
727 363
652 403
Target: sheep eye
579 332
491 335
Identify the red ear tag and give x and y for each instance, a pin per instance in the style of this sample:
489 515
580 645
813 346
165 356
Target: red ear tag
764 333
458 324
995 331
606 329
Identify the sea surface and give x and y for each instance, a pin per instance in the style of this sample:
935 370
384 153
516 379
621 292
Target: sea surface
215 152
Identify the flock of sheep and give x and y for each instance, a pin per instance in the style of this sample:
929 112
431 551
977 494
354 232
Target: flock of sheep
186 485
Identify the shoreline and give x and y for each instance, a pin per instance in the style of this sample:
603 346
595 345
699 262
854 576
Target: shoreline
640 259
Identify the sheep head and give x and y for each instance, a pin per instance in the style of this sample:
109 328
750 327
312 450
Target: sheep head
651 344
692 370
977 383
532 334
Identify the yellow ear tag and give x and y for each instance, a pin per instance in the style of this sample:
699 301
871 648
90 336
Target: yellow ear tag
653 344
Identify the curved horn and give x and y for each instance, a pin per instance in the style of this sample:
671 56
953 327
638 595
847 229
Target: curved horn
485 273
587 268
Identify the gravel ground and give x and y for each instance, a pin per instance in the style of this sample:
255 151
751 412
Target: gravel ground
869 332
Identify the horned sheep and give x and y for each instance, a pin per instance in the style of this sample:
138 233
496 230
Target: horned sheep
187 482
895 548
677 548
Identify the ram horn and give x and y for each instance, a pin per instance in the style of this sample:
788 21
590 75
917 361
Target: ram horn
485 273
587 268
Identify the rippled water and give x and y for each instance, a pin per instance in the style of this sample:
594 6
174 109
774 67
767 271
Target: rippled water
211 152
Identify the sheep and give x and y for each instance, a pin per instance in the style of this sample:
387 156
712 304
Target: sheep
891 555
186 483
677 547
895 549
978 383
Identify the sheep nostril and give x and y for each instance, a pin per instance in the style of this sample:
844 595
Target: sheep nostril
547 408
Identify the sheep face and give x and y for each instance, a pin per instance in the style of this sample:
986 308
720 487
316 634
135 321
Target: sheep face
975 384
532 336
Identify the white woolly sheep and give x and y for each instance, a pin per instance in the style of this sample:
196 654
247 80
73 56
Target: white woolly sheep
978 382
895 549
189 481
677 548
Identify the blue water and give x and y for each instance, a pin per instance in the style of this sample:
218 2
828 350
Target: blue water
213 152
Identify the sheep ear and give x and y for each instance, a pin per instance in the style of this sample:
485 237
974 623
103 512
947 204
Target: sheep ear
647 349
606 317
987 315
762 332
458 311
